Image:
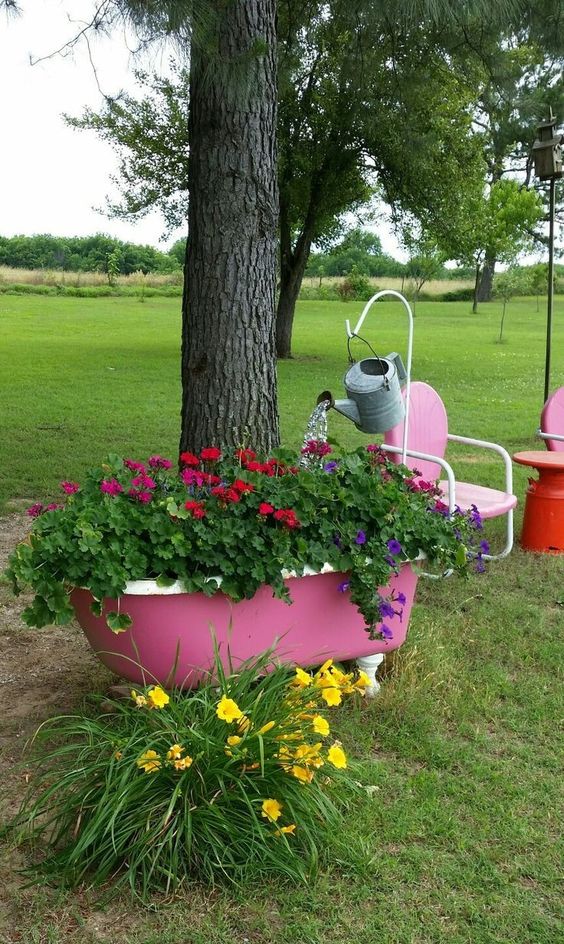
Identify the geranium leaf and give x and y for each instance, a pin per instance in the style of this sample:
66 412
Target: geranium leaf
118 622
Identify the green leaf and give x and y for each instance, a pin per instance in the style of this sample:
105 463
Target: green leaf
460 555
164 581
118 622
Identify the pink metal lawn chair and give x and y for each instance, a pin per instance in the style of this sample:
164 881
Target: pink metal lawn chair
427 441
552 421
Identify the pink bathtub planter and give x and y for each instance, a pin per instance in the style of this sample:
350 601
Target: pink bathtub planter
173 627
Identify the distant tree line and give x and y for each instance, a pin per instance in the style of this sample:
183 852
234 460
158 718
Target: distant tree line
86 254
360 252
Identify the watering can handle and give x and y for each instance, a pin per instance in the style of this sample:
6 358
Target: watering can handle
381 360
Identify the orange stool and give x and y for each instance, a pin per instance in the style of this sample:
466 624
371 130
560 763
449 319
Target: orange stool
543 522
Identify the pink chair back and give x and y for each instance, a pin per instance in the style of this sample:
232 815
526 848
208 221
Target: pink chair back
552 419
427 432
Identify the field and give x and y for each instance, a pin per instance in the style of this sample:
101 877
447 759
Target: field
95 284
51 277
434 287
459 840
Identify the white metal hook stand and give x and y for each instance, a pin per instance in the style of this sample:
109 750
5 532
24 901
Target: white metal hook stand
353 334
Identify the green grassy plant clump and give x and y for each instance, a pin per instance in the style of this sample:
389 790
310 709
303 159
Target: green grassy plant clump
239 779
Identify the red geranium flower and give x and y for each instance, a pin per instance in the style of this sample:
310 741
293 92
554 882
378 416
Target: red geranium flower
245 455
225 494
288 517
211 454
265 509
243 486
188 458
196 507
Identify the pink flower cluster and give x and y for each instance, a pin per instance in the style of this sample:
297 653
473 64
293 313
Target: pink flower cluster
38 509
70 487
419 485
158 462
316 447
111 487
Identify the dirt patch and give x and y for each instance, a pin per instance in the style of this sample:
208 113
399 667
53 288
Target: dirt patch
42 673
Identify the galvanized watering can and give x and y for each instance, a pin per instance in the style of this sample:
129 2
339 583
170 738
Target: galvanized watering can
373 387
374 399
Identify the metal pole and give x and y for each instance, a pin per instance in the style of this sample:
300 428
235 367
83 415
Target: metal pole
550 298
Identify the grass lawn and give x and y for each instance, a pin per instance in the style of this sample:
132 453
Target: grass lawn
80 378
459 842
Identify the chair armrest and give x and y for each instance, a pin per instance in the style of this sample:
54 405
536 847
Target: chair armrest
494 447
442 462
555 436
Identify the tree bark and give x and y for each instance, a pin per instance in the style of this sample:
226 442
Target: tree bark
229 395
486 281
292 267
476 285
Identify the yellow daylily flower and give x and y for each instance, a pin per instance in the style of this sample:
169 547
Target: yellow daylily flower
267 727
233 740
271 809
320 725
362 682
174 752
183 763
139 700
157 697
228 710
332 696
337 756
308 754
340 678
286 829
244 724
302 679
118 755
301 773
326 665
149 762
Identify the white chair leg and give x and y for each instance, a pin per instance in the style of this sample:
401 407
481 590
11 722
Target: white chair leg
370 665
508 542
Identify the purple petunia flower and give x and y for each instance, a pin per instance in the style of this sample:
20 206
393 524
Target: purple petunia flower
344 586
476 518
386 631
394 546
386 610
479 566
484 547
330 466
360 538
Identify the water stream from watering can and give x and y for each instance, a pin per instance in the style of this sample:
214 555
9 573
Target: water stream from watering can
316 428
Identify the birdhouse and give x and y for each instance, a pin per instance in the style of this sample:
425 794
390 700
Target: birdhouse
547 151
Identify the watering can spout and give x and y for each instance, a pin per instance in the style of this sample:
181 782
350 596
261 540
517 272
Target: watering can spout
349 409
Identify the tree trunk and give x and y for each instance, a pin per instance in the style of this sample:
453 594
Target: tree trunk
476 284
292 268
229 395
486 281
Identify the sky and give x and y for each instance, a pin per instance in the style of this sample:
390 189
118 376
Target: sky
52 176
